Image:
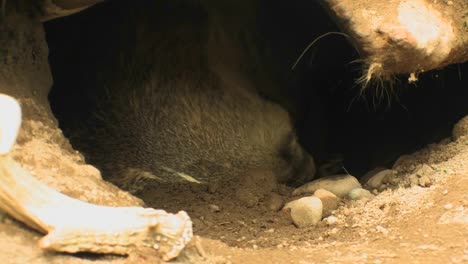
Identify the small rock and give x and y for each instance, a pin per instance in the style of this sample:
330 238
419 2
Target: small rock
214 208
425 181
448 206
401 161
359 193
274 202
333 231
424 170
370 174
329 201
383 187
331 220
306 211
242 223
340 185
414 180
378 179
445 192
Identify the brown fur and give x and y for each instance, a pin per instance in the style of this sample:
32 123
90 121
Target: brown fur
183 101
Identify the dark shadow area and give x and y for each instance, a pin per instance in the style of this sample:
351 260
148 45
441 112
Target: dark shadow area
333 117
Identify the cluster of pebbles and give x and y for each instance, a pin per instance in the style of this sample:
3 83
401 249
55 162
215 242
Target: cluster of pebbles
320 198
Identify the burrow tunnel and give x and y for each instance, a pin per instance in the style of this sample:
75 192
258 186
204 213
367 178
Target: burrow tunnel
337 119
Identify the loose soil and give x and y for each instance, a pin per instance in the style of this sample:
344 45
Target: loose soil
405 223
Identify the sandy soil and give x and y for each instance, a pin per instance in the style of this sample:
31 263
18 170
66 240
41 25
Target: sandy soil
405 223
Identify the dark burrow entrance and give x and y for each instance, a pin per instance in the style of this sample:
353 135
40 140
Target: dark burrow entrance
337 121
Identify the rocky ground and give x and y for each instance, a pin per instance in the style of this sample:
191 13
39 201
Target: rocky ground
417 214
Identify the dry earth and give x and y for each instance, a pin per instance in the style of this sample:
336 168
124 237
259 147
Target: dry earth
405 223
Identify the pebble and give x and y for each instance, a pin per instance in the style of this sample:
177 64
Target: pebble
383 187
378 179
402 161
370 174
306 211
425 181
340 185
274 202
424 170
331 220
448 206
214 208
414 180
329 201
359 193
333 231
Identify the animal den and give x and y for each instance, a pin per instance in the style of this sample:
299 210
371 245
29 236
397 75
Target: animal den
233 132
